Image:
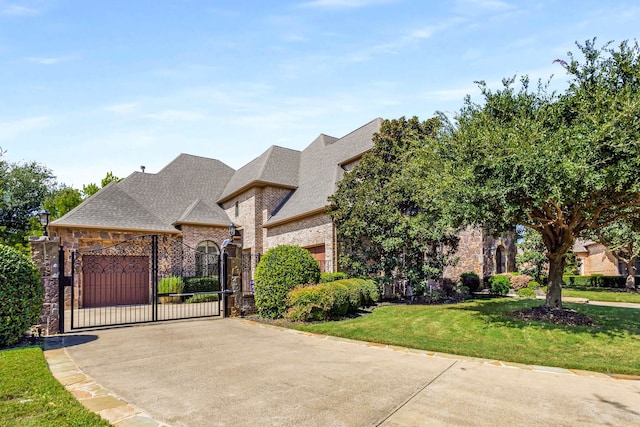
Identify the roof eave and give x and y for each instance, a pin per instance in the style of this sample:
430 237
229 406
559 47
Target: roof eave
256 183
295 217
115 228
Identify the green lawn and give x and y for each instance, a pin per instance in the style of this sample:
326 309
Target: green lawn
481 329
599 294
30 396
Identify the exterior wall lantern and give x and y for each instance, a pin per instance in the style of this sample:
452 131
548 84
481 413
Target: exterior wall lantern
44 220
232 230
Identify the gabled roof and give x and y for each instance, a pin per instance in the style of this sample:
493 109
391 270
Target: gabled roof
320 170
158 201
278 166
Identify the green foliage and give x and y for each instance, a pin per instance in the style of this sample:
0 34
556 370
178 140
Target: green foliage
526 293
381 222
533 285
470 280
202 298
281 269
597 281
23 188
531 259
170 285
561 164
330 299
200 284
331 277
31 396
21 295
92 188
499 285
61 201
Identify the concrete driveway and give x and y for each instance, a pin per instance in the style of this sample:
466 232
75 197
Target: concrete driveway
232 372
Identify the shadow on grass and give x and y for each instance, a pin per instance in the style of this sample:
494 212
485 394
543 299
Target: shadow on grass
612 321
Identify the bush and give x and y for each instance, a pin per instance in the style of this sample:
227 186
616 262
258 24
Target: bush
518 281
499 285
200 284
526 293
471 281
332 277
533 285
281 269
202 298
170 285
21 295
322 301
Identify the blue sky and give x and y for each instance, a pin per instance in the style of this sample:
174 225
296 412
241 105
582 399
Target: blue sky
88 87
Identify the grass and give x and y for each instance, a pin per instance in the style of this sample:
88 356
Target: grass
599 294
482 329
30 396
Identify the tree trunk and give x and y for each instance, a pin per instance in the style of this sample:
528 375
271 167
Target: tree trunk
631 282
554 287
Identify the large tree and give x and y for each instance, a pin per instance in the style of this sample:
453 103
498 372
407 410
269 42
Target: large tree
622 239
381 222
23 188
560 164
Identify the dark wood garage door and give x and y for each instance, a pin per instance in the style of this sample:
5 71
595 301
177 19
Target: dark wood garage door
319 254
114 280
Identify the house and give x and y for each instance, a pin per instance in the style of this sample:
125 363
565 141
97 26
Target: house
596 259
277 198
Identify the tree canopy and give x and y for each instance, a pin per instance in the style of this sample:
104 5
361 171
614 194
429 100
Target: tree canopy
560 164
381 222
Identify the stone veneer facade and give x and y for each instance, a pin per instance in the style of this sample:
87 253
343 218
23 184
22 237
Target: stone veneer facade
45 255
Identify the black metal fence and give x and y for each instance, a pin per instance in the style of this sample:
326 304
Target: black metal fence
148 278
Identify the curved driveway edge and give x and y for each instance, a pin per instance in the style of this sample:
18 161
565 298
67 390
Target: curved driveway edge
236 372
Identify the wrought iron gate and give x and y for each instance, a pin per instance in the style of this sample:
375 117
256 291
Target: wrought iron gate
148 278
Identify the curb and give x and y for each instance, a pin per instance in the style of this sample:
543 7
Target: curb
490 362
92 395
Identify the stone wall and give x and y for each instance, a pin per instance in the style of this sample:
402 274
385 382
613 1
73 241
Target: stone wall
45 255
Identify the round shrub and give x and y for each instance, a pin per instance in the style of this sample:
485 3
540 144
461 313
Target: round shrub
533 285
500 285
526 293
21 295
471 281
281 269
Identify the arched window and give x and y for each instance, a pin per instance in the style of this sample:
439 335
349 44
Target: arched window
207 257
501 260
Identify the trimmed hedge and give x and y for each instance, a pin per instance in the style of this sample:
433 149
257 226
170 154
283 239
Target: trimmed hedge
200 284
337 298
332 277
21 295
281 269
526 293
170 285
499 285
471 281
597 281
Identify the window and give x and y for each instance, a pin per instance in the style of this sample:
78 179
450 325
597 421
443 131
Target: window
207 255
237 209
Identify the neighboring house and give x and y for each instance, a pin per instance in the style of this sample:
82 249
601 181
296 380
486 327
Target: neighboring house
278 198
596 259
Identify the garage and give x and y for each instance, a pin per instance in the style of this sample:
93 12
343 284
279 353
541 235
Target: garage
111 280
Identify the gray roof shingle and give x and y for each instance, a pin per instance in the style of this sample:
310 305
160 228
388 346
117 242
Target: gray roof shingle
320 170
277 166
149 201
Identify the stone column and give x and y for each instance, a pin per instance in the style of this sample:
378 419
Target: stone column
45 255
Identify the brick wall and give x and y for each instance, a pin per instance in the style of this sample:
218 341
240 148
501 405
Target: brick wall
307 232
598 261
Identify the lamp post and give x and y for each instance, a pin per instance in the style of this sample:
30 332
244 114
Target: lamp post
44 220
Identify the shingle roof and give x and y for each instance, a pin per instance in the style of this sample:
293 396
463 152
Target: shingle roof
320 170
182 190
277 166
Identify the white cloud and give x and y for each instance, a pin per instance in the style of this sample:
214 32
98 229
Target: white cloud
176 115
12 129
127 108
342 4
17 10
48 60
